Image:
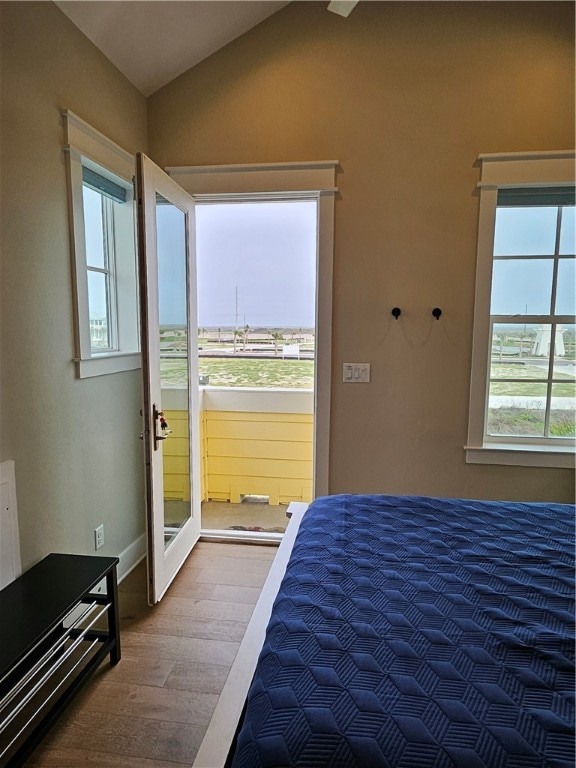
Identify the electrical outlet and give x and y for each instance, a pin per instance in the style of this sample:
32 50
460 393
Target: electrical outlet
99 537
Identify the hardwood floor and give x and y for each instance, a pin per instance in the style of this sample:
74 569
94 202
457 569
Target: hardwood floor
152 709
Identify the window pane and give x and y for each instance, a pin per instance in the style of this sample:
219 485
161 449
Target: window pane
516 409
563 409
98 308
521 287
567 230
525 231
520 351
565 291
94 228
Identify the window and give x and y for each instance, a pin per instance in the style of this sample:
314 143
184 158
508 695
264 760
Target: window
523 392
103 248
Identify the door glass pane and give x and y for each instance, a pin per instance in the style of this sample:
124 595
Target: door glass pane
93 228
521 287
98 310
529 231
568 231
173 339
565 292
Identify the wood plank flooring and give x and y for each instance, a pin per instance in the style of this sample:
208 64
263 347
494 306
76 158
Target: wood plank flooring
152 709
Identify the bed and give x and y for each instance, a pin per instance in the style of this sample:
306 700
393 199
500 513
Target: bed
408 632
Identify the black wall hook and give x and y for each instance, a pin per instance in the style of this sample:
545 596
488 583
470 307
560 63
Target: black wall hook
436 312
396 312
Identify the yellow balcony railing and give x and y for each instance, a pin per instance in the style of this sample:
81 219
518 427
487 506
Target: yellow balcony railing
253 442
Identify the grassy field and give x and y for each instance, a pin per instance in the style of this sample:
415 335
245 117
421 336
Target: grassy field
530 389
299 374
292 374
530 421
527 421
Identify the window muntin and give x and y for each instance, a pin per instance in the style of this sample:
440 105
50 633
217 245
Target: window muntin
532 364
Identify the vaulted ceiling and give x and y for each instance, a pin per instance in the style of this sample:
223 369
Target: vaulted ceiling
153 41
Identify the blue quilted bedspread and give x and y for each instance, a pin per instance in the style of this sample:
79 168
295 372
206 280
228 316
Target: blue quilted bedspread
414 632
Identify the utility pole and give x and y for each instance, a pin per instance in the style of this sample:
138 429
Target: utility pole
236 326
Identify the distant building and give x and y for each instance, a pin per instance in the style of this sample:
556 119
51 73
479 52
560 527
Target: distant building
541 347
99 331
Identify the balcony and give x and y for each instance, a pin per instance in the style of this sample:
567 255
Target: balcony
256 453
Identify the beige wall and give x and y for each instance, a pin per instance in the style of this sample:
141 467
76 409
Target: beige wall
405 96
75 443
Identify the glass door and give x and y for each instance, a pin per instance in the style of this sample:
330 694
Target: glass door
169 366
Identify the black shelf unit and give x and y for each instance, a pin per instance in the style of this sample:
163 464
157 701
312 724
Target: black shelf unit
54 631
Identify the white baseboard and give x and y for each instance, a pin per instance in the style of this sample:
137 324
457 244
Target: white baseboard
131 556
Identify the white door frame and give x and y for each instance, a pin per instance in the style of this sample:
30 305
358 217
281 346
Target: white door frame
272 181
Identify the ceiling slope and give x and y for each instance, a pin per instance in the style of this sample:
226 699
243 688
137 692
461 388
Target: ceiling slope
151 42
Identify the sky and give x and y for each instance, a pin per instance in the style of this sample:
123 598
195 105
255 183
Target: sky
256 264
524 286
171 248
264 253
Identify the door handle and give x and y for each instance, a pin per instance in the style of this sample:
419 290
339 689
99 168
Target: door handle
161 429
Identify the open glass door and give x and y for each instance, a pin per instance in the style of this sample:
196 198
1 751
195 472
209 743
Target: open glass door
169 363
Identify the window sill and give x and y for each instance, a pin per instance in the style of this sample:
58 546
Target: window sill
521 456
105 363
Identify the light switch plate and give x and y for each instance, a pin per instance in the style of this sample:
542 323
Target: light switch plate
356 373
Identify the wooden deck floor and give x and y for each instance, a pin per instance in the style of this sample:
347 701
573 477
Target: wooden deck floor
152 709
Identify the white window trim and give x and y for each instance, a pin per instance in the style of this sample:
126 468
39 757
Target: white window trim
282 181
530 169
85 146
